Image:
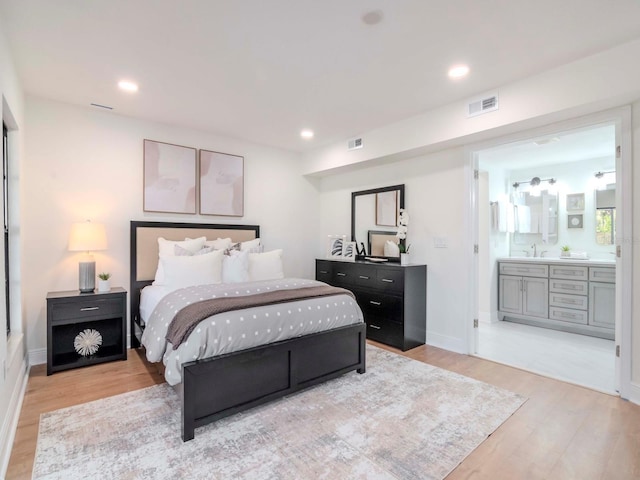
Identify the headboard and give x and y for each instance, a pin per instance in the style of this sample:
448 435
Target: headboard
144 254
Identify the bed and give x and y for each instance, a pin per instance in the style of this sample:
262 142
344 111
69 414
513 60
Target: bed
226 383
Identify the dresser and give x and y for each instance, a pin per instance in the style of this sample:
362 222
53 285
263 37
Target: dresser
393 298
573 296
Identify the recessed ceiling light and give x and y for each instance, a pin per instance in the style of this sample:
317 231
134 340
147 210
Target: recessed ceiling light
306 133
128 86
458 71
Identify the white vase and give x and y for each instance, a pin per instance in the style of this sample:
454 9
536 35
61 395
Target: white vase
103 286
404 259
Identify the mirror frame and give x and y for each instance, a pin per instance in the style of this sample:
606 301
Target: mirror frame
371 191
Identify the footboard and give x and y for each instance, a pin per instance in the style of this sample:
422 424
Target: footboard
220 386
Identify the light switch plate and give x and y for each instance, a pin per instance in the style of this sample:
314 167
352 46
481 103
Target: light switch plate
440 242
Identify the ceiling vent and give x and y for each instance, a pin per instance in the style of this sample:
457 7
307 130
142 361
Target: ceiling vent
354 144
483 105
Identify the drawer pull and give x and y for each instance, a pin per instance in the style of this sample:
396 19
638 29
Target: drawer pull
567 315
364 277
388 280
374 326
86 309
374 303
324 271
340 274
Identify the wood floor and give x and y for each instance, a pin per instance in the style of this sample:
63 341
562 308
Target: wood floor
561 432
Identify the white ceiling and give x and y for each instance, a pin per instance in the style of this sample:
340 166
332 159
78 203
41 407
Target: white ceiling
263 70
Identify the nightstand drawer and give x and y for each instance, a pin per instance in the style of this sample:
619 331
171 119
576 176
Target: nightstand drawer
91 307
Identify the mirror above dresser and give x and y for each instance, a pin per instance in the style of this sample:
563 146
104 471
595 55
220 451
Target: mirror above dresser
374 219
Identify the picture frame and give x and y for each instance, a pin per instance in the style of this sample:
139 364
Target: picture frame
335 246
387 209
221 181
169 178
349 251
574 221
575 202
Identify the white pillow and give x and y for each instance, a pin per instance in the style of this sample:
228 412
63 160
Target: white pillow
235 267
166 248
251 245
184 271
265 266
391 249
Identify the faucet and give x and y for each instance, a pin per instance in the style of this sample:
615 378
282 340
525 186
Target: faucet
535 251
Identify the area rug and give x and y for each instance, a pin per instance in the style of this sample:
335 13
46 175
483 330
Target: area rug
403 419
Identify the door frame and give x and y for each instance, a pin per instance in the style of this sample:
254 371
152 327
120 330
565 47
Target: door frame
621 118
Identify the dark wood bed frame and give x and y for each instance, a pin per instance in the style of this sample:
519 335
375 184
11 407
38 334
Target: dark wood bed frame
219 386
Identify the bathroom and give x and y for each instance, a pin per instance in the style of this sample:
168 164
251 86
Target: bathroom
547 220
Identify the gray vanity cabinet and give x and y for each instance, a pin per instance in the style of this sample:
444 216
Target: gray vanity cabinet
526 293
569 297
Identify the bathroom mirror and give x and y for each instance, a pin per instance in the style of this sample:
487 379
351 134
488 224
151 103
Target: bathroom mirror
535 218
605 202
374 216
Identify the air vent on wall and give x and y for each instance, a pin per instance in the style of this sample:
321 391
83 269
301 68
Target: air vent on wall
354 144
483 105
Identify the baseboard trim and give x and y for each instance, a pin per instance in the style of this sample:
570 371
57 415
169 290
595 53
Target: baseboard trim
634 393
448 343
8 432
37 356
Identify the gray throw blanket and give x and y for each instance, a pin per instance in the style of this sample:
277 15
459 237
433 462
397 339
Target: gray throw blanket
186 319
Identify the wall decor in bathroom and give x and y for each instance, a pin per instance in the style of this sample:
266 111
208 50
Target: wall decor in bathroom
574 221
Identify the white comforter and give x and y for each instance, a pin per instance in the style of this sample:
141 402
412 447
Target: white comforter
241 329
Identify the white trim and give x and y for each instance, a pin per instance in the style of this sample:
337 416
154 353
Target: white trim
10 424
446 342
634 393
37 356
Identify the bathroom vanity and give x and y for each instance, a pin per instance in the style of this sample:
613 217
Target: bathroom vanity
570 295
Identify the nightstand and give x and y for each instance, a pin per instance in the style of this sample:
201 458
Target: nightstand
71 312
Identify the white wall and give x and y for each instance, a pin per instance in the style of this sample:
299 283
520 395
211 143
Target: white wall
572 177
435 200
12 351
83 163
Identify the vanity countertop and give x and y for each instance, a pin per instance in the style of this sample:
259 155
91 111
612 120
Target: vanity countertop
567 261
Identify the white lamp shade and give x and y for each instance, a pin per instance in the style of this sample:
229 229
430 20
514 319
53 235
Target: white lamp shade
87 237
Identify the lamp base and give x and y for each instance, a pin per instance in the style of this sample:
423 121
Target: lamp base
87 276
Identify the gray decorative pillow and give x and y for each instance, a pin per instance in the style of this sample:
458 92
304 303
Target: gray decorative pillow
183 252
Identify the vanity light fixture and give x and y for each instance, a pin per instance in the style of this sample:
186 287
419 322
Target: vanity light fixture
535 185
601 181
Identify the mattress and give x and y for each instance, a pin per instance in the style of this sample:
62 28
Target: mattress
240 329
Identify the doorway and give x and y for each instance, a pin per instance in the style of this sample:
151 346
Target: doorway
563 162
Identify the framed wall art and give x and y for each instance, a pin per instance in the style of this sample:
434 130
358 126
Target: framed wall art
575 202
169 178
335 246
349 251
221 184
574 221
387 208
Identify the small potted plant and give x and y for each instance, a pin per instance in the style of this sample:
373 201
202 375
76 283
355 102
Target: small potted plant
103 282
565 251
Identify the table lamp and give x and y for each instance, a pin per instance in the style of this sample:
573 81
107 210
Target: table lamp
87 237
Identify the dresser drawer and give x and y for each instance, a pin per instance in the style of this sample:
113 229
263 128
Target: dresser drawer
602 274
580 302
379 305
343 274
524 269
324 271
93 307
384 331
390 279
568 315
569 272
568 286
